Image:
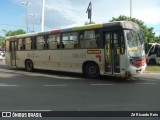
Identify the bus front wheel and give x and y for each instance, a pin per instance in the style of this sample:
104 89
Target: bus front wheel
91 70
29 65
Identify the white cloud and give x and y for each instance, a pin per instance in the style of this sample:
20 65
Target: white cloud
67 13
148 12
150 16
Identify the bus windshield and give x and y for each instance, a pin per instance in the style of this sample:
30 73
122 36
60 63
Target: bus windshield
135 43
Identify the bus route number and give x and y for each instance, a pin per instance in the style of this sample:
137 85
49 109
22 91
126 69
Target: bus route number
79 55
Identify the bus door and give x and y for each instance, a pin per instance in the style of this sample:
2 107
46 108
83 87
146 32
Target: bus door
13 53
112 52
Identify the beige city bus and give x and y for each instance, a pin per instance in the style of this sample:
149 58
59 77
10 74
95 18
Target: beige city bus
115 49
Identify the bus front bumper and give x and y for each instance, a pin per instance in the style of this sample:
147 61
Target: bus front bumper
133 71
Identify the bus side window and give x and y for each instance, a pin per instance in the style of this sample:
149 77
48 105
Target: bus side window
152 51
73 40
33 46
23 44
58 41
90 39
65 38
7 45
40 42
53 41
70 40
28 43
98 40
122 43
156 49
158 52
20 44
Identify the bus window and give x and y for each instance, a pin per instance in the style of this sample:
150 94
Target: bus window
70 40
58 41
28 43
53 41
65 38
21 44
152 51
74 39
33 44
122 44
158 52
40 42
89 39
7 45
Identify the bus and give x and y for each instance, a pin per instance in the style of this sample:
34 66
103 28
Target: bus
114 49
151 53
158 56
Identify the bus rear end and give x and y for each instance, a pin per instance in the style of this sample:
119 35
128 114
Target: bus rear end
158 56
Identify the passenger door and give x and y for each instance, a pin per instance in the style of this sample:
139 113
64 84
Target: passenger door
13 53
112 52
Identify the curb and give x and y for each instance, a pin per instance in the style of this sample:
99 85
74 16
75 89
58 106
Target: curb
2 60
147 72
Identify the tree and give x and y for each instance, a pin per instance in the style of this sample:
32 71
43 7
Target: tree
10 33
2 41
14 32
157 39
149 35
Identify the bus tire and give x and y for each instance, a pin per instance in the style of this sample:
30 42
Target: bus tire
29 65
91 70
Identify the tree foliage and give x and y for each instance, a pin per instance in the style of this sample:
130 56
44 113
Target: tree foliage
10 33
2 41
149 35
14 32
157 39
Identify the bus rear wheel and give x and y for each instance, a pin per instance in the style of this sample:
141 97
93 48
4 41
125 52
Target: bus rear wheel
91 70
29 65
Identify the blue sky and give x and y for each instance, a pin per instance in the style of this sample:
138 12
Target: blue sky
68 13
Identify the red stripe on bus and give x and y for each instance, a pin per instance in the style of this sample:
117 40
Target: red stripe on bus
99 57
55 31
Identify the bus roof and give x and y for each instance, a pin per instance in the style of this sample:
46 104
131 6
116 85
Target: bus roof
154 43
78 28
91 26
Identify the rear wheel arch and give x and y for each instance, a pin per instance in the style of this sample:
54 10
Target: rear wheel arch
29 66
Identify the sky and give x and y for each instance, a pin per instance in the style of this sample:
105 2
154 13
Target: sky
68 13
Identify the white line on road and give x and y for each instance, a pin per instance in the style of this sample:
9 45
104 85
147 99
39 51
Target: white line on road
58 77
56 85
151 73
6 85
146 83
101 84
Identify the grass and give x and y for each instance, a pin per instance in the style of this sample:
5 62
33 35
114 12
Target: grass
153 68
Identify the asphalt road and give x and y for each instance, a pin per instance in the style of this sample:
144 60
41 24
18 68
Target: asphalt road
58 91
